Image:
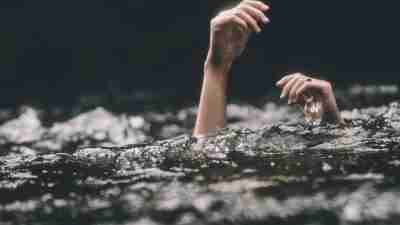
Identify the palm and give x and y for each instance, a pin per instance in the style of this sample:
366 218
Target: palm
230 41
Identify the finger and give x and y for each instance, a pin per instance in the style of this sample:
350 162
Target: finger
255 13
230 16
292 94
257 4
301 91
241 23
289 85
249 20
285 79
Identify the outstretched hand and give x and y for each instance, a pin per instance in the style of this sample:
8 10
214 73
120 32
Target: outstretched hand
303 90
229 34
231 28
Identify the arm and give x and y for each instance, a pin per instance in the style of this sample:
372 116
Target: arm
211 115
229 34
301 89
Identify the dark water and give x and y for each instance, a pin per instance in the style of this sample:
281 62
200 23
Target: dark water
268 167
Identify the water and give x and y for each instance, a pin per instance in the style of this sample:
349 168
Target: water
284 172
313 110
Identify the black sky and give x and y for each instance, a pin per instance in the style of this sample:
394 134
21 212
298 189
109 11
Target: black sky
65 48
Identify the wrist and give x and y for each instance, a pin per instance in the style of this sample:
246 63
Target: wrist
217 63
328 97
331 110
215 75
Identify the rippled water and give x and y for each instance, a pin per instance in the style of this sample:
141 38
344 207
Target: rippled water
269 167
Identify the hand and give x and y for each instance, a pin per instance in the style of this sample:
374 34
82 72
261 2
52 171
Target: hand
301 89
298 88
230 30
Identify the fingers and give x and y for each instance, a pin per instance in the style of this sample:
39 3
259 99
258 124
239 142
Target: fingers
288 87
248 15
282 82
293 97
230 16
255 13
295 86
251 22
241 22
301 90
257 4
314 94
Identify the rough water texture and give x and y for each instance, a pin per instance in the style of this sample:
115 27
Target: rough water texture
268 167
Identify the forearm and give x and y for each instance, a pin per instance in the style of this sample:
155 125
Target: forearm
211 113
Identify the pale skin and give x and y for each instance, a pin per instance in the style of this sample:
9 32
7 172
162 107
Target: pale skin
229 34
298 88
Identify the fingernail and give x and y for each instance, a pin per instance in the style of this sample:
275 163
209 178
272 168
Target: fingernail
282 96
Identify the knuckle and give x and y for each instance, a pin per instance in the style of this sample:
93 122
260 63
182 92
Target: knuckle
240 7
236 11
297 75
244 7
214 21
231 17
220 14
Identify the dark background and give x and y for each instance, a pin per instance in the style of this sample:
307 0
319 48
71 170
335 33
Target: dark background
56 51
